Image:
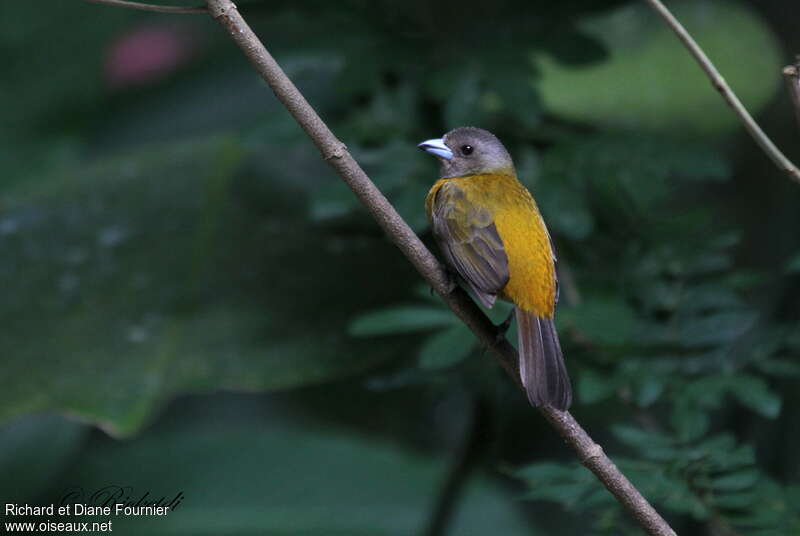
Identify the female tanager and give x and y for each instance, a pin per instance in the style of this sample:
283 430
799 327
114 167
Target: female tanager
490 232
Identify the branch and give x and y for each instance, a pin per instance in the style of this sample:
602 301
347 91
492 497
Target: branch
152 7
792 75
335 153
763 141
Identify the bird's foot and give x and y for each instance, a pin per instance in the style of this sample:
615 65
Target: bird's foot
450 282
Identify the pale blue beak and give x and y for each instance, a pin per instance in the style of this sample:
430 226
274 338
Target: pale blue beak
436 147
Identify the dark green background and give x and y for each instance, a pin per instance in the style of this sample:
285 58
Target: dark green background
192 301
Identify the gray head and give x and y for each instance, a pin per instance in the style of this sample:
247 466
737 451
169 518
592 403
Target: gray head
469 151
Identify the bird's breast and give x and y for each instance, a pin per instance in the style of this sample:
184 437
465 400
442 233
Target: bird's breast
531 263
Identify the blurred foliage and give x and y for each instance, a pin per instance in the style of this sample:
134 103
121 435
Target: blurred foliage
368 487
714 480
634 89
152 243
167 230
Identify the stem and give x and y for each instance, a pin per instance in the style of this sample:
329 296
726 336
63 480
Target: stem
763 141
464 462
152 7
335 153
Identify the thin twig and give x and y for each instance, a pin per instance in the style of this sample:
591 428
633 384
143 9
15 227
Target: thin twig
152 7
792 75
335 153
780 160
465 460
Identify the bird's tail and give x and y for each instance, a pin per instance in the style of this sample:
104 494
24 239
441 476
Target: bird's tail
541 364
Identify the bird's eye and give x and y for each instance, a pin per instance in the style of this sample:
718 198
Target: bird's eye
466 150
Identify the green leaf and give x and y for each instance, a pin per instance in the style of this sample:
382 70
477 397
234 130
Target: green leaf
721 453
734 500
157 273
649 390
711 297
568 494
689 422
396 320
736 481
664 486
681 499
717 328
706 392
754 393
663 88
640 438
34 451
389 114
543 472
562 483
778 367
249 475
392 164
446 348
400 181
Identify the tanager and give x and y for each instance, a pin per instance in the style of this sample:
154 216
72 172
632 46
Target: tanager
491 233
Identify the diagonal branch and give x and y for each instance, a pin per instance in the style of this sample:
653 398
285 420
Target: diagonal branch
763 141
336 154
152 7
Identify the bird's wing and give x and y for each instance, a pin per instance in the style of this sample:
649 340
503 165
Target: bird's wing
469 241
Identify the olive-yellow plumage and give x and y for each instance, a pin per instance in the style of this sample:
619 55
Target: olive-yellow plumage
491 234
532 282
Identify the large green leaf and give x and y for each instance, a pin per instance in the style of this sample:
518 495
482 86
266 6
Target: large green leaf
281 477
446 347
34 451
408 319
651 81
137 278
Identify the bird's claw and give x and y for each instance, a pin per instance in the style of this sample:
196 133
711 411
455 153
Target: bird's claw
450 283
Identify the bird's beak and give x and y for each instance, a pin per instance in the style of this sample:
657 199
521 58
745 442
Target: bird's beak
436 147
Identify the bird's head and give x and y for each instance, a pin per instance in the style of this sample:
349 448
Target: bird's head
469 151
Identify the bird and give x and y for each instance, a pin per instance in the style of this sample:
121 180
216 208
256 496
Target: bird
491 234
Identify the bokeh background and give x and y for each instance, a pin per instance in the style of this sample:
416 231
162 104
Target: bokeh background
193 302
